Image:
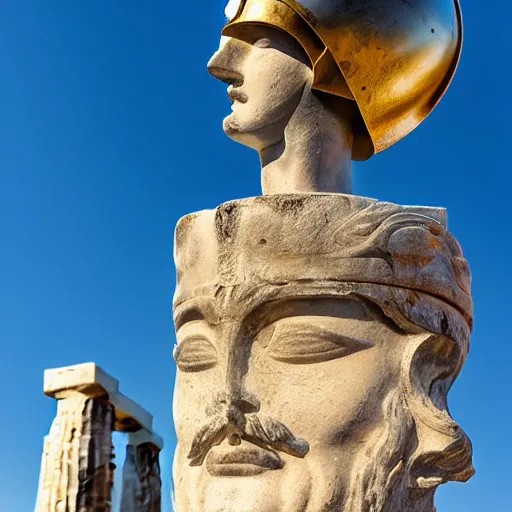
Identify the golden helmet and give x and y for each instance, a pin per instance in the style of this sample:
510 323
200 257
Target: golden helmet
394 58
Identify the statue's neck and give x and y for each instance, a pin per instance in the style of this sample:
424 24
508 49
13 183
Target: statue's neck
314 155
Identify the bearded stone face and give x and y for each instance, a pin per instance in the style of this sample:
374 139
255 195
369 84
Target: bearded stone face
305 395
274 405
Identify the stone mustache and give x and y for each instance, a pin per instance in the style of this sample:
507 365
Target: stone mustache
319 333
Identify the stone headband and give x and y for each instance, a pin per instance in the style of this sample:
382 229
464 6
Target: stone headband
401 258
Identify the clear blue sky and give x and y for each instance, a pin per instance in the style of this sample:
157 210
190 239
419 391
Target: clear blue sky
110 130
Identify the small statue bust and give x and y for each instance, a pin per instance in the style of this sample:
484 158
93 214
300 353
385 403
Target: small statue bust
315 84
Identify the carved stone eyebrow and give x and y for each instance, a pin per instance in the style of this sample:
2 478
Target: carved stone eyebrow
273 311
193 310
307 342
309 328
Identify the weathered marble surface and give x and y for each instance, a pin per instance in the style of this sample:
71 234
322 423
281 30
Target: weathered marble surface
318 337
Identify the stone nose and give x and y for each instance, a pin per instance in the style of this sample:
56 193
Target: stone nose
246 403
226 63
236 408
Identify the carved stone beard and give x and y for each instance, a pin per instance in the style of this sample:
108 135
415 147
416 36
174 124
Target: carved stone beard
379 478
378 481
269 315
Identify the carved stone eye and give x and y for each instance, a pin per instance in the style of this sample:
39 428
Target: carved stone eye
304 344
232 9
195 355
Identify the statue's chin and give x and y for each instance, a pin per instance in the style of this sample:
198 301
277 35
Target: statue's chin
242 494
230 125
236 133
270 491
232 129
238 130
255 134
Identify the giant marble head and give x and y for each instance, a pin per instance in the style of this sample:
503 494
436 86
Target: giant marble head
317 339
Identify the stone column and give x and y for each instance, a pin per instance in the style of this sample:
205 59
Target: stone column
77 469
141 473
77 466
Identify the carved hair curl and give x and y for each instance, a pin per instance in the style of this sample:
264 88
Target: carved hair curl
420 446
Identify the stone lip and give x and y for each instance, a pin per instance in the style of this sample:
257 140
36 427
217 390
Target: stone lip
241 461
90 380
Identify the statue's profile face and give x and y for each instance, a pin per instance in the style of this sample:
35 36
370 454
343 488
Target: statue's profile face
274 405
267 73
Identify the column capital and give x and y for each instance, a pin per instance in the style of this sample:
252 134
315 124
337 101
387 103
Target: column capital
90 380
